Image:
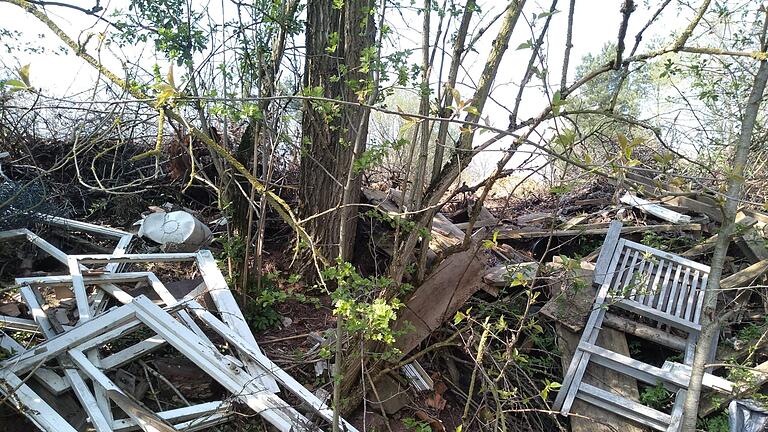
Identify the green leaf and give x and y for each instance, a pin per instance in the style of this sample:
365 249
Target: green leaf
24 74
524 45
15 85
557 102
472 110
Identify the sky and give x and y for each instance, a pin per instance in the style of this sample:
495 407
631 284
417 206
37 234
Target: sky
596 23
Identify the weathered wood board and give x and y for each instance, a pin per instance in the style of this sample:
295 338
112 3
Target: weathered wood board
438 298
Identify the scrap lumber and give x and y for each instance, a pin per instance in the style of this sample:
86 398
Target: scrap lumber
518 234
655 209
700 204
745 277
572 222
478 224
707 245
441 294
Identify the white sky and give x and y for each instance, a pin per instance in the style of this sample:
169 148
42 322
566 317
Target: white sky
596 23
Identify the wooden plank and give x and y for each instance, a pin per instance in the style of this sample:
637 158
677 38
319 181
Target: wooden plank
441 294
654 209
516 234
745 277
572 222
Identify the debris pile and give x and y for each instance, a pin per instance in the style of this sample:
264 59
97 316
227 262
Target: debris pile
108 322
622 270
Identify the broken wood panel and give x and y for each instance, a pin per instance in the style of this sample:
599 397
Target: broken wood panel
441 294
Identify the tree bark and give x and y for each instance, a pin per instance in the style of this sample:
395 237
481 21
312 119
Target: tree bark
328 141
709 318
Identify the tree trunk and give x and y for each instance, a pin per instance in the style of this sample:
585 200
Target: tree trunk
710 321
334 37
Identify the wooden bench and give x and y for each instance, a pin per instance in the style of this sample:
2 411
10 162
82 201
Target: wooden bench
659 288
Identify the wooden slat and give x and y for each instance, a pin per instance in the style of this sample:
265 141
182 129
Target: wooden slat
670 300
646 272
655 284
607 251
700 300
664 287
655 314
683 293
646 290
692 296
516 234
625 407
641 371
